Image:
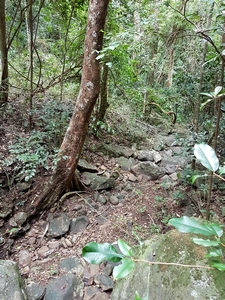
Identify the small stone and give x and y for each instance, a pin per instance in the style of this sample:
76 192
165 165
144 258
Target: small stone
53 244
107 270
105 282
24 258
132 177
43 251
32 240
77 207
94 269
68 243
114 200
79 224
12 222
102 200
20 218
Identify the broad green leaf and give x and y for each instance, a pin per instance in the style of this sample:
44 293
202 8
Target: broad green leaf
217 90
207 94
219 266
124 248
123 269
188 225
206 243
207 156
215 228
215 253
95 253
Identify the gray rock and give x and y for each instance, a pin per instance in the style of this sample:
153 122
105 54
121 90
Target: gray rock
20 218
43 251
79 224
84 166
23 186
177 161
73 265
104 281
150 169
102 200
67 287
98 183
11 282
24 258
169 281
35 291
114 200
93 293
145 155
59 226
115 150
124 163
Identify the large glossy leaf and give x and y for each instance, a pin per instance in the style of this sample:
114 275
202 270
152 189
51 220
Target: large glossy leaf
95 253
217 90
206 243
188 225
207 156
123 269
124 248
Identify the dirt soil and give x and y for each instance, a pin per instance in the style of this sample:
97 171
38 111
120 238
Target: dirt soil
144 210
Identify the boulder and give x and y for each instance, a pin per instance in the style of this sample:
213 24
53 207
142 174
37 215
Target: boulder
11 282
148 168
167 281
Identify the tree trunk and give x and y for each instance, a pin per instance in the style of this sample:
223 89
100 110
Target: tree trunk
103 94
73 141
4 85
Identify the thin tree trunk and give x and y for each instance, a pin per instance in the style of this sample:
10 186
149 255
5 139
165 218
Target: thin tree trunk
103 94
4 85
76 132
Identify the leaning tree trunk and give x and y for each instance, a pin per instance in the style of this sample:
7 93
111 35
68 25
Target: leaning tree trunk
72 144
4 85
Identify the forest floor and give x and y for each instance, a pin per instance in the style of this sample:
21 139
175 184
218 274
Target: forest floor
145 210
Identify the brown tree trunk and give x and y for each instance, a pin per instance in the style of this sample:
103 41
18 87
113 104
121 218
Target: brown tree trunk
4 85
75 135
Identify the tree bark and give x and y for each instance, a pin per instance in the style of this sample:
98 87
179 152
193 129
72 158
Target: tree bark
103 94
4 85
75 135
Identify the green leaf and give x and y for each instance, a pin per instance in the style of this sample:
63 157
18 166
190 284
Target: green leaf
188 225
100 56
124 248
207 156
194 177
219 266
95 253
123 269
215 253
207 94
217 90
206 243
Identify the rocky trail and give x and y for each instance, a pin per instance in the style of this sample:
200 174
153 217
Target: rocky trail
132 192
